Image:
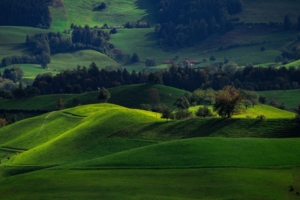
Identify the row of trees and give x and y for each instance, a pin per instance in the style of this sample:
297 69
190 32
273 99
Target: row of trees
215 77
44 44
34 13
183 23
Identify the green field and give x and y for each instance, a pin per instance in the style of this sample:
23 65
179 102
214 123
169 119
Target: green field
81 140
290 98
107 151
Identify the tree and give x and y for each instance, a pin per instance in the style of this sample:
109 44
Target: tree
182 103
228 102
104 95
102 6
15 73
204 111
287 23
166 112
135 58
60 104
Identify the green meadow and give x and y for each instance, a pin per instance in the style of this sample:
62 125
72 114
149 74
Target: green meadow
112 152
117 151
290 98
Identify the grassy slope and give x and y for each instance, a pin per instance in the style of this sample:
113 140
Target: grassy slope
205 152
101 121
290 98
269 112
211 127
128 96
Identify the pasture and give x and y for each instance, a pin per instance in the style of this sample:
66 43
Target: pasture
61 152
290 98
166 184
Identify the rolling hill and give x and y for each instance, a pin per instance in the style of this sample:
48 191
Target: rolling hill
64 150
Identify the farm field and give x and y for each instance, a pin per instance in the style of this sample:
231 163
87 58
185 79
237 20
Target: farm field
62 158
290 98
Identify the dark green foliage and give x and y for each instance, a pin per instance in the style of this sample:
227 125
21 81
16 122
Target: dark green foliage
135 58
44 44
204 112
182 103
33 13
182 114
228 102
145 107
166 112
5 94
184 23
102 6
113 31
212 58
104 95
15 73
263 99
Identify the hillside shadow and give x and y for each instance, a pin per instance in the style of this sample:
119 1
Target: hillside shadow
149 7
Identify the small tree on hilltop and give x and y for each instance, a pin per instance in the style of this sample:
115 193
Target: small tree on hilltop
228 102
104 95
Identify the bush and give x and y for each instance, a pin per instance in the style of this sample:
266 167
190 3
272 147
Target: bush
261 117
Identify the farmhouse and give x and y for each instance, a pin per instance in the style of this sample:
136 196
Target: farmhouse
190 62
169 62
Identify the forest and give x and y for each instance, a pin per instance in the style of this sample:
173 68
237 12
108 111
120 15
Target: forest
184 23
34 13
215 77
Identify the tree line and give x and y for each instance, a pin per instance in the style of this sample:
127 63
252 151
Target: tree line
34 13
42 45
184 23
215 76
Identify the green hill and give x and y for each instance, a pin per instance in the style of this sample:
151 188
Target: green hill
205 152
289 98
129 96
111 138
55 142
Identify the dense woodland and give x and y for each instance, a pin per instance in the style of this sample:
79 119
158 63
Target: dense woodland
44 44
34 13
215 77
184 23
